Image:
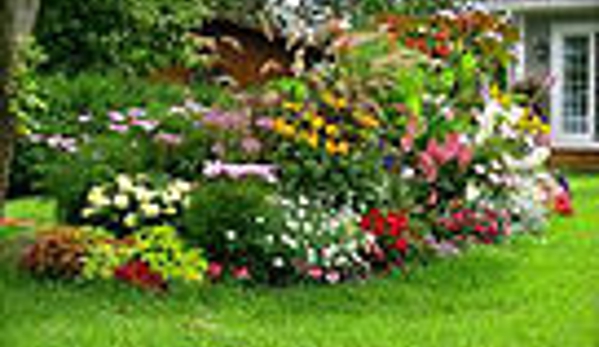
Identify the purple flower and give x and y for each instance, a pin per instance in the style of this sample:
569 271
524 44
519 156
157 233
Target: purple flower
136 112
116 116
251 145
169 139
147 125
119 128
265 123
237 171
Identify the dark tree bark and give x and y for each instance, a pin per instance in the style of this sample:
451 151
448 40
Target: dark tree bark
16 21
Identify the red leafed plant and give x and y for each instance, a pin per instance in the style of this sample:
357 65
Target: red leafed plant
138 272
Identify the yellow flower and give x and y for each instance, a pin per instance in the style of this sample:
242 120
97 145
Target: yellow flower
330 99
368 121
312 139
292 106
343 148
282 127
317 122
331 130
545 129
331 147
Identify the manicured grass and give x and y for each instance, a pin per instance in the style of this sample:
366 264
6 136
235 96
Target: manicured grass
533 292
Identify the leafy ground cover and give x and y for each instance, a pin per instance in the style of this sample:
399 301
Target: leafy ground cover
533 291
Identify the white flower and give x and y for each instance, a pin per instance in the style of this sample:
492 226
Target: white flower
231 235
292 224
480 169
124 183
260 220
407 173
289 241
303 201
170 211
97 198
87 212
301 213
150 210
143 194
270 239
278 262
472 192
121 201
182 186
130 220
341 260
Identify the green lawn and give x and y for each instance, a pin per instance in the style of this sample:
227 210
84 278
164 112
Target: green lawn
533 292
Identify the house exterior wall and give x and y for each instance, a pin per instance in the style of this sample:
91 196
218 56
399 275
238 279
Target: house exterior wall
537 33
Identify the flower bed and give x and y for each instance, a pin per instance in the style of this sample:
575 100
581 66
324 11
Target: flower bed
407 146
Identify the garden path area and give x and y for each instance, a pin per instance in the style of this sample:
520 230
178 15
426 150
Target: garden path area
532 291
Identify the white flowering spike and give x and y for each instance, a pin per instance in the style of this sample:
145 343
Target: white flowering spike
130 220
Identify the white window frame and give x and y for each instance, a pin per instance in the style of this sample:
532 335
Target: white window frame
559 138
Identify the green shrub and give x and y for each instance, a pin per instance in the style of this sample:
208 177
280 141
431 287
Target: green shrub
129 35
230 220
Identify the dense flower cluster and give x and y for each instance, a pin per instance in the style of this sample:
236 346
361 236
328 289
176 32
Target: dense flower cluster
129 203
406 145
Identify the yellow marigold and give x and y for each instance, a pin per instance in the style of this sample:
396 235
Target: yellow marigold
330 99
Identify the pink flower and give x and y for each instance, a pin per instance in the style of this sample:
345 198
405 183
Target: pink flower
333 276
315 272
464 156
215 270
428 166
119 128
241 273
439 153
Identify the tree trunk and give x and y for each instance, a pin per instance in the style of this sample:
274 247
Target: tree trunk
16 21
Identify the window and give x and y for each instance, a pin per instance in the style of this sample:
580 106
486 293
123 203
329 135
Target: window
575 88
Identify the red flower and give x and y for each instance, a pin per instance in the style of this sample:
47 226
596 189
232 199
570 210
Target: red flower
563 204
398 223
442 51
401 245
373 222
441 35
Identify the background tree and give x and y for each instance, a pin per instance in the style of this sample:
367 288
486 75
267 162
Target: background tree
16 21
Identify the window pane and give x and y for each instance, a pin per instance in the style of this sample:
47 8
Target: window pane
576 85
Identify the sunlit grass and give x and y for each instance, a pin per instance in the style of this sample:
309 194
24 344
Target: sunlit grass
535 291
